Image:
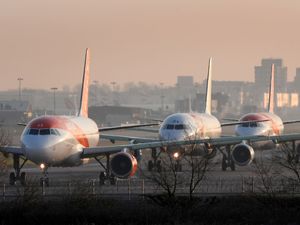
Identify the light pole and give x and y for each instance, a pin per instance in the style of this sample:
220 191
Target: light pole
54 90
162 97
113 83
20 87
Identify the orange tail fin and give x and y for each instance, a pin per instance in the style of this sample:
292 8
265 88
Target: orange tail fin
84 99
271 91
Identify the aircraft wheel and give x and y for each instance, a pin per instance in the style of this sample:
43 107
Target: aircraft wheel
112 180
44 181
23 178
150 165
178 167
41 182
12 178
232 165
158 166
47 182
102 178
224 164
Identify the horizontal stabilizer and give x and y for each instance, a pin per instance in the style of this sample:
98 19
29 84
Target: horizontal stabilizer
291 121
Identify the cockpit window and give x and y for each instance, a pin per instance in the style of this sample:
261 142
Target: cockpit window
180 127
169 126
44 131
33 132
176 127
54 132
250 124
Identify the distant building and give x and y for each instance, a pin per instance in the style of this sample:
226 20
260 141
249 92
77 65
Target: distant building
116 115
185 86
263 73
296 83
13 112
262 78
283 100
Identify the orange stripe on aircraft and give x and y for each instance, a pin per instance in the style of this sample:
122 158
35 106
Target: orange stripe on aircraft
61 123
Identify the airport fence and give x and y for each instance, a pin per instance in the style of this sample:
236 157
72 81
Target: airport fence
137 188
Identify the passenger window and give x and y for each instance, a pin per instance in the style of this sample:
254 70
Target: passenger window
44 131
253 124
33 132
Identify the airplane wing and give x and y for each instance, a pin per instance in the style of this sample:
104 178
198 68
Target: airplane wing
127 126
242 122
114 138
15 150
22 124
146 129
230 119
291 121
102 150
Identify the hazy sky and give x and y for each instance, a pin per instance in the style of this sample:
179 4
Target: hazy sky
143 40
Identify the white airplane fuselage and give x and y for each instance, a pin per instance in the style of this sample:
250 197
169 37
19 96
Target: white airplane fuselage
273 126
58 140
189 126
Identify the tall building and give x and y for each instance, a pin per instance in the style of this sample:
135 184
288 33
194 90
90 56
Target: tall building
262 78
185 86
263 73
296 83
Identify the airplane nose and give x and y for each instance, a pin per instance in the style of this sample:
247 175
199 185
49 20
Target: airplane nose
169 136
240 131
39 149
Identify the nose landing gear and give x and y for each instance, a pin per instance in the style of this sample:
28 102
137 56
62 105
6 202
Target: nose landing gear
44 180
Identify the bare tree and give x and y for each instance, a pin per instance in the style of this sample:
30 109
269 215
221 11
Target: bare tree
268 176
167 177
289 161
198 166
5 139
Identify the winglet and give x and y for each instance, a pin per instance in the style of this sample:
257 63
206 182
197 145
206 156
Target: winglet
208 89
83 110
271 91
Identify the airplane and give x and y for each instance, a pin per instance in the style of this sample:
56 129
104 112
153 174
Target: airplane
261 123
64 141
58 141
185 126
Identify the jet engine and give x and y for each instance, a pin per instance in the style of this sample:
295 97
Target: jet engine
242 154
123 165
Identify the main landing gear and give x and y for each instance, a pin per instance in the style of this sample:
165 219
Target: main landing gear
106 175
227 159
17 175
154 164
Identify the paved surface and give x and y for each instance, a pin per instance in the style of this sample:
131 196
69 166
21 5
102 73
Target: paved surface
84 179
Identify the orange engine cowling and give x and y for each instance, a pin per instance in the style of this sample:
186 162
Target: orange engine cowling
123 165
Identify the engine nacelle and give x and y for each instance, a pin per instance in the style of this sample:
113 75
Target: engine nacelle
242 154
123 165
